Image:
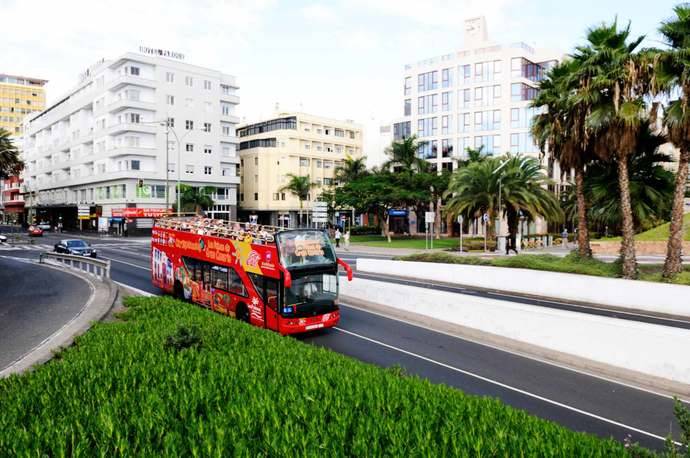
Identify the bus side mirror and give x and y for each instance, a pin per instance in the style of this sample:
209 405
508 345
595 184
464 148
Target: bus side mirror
287 278
347 268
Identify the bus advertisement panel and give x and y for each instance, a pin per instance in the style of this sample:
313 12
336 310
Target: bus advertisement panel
285 281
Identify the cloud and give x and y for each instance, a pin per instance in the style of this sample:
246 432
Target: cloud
319 12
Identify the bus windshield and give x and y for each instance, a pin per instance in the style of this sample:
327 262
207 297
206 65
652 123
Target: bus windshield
304 248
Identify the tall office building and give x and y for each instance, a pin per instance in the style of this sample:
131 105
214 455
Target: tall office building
19 97
291 143
107 147
476 97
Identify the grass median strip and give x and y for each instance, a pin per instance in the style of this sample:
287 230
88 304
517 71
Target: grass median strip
173 379
571 263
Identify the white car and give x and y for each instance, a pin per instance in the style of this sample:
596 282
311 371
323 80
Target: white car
3 238
44 226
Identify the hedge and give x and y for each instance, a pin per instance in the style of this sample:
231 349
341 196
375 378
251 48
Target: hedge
176 380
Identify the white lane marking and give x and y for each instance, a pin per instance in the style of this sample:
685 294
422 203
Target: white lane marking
516 353
140 292
127 263
503 385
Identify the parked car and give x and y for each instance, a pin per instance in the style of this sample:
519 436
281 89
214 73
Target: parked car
3 238
35 231
44 226
75 246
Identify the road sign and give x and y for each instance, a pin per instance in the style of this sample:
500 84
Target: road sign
319 219
429 217
460 219
486 217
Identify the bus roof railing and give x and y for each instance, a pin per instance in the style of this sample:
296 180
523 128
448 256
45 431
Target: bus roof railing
234 230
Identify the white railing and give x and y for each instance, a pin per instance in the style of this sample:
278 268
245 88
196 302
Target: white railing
98 267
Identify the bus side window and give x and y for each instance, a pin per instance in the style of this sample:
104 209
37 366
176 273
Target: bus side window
236 285
219 277
271 293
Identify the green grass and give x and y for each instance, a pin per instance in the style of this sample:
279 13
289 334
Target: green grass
402 242
569 264
659 233
177 380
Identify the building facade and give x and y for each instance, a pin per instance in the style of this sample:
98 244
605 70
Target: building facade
19 97
476 97
297 144
129 125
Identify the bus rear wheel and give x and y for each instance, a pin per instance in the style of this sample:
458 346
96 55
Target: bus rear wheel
242 313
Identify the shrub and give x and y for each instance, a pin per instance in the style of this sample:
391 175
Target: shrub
185 337
251 392
365 230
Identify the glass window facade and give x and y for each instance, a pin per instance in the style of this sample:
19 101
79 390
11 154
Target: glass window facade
260 143
268 126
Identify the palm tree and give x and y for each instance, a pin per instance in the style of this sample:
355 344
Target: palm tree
473 155
618 87
351 169
299 186
404 156
651 186
474 190
560 132
672 77
10 163
197 198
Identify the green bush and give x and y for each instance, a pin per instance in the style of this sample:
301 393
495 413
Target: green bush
251 392
184 338
365 230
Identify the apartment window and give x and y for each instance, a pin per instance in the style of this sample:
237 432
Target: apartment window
351 134
135 165
226 131
497 92
327 164
446 122
516 67
134 118
446 148
171 122
134 71
171 167
466 72
427 127
464 122
170 99
328 181
189 169
282 196
304 162
318 163
208 170
225 109
427 81
478 95
189 125
408 107
445 101
307 146
242 196
408 85
188 81
226 172
226 90
207 150
170 77
207 127
466 98
327 131
207 85
256 196
276 196
446 77
491 143
189 147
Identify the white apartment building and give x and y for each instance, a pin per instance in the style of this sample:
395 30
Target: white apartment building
103 145
477 96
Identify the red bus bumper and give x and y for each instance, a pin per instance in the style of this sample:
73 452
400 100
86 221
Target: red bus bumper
300 325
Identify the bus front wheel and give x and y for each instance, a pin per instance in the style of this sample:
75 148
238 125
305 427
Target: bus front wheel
242 313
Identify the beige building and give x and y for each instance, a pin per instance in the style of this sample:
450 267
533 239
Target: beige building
291 143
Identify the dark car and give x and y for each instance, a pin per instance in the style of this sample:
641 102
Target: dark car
35 231
75 246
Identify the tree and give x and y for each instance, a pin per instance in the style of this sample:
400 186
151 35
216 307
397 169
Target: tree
560 132
351 169
10 163
299 186
197 199
404 156
651 187
672 77
473 155
474 190
618 89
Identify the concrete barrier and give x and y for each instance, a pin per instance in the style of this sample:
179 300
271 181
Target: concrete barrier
673 300
650 355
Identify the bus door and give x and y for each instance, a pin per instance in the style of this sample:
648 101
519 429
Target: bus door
268 290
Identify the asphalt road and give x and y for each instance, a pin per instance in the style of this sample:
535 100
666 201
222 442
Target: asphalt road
573 399
34 304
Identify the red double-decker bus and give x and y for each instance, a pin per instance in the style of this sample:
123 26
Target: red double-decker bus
284 280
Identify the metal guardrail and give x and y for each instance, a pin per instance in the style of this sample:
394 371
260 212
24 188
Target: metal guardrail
94 266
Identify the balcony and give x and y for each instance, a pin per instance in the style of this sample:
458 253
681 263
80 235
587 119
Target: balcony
232 98
132 151
132 127
126 80
122 104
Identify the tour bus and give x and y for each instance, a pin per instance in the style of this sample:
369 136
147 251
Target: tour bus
284 280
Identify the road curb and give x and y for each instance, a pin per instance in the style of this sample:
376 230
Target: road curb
594 368
103 297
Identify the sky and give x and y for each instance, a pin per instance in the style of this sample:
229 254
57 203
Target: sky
341 58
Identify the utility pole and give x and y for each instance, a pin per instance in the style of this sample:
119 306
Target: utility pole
167 166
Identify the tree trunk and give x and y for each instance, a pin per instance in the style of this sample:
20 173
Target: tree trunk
583 247
628 243
386 227
437 219
674 263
